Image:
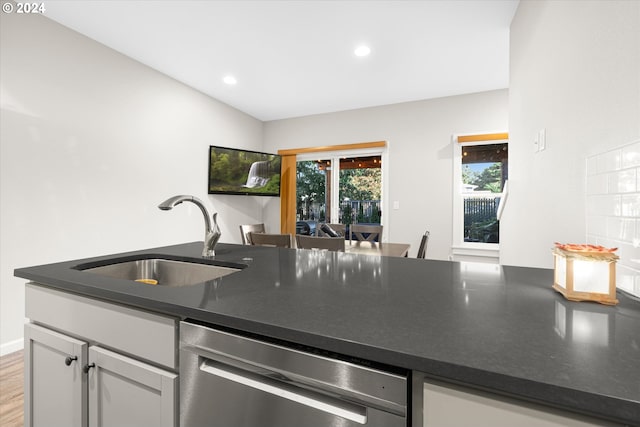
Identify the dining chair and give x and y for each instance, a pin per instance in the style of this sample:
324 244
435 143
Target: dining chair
252 228
277 240
339 229
422 250
313 242
359 230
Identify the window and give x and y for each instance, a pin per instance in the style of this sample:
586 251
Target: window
480 172
341 188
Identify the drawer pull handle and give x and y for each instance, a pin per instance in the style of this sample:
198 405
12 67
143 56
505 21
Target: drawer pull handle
309 398
69 359
87 367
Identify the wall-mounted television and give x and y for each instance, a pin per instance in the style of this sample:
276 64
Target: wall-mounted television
244 172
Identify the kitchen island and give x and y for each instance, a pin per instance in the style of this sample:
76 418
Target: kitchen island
496 329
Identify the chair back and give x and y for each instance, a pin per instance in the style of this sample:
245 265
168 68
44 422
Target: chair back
252 228
359 230
422 250
340 229
277 240
313 242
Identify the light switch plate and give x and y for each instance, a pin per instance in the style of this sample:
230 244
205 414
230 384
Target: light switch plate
542 139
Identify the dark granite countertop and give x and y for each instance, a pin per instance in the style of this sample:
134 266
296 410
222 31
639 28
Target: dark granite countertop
497 328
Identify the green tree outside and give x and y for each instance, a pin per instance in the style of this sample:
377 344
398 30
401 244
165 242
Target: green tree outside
360 184
489 179
355 184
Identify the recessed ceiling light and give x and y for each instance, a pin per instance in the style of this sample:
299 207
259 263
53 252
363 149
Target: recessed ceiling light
230 80
362 51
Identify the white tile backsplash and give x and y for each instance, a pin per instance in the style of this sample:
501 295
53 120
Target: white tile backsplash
597 184
630 205
609 161
606 205
623 229
613 209
628 279
631 155
623 181
597 225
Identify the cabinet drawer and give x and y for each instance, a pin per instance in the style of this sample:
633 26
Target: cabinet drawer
145 335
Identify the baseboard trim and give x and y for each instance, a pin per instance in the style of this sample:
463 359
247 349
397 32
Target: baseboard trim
12 346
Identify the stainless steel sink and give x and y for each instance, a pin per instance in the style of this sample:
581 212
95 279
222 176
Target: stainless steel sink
164 272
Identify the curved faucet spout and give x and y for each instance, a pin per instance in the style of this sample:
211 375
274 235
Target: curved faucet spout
212 232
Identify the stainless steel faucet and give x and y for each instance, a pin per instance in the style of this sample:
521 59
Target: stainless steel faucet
212 232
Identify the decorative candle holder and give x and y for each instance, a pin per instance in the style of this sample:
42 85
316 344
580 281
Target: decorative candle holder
585 273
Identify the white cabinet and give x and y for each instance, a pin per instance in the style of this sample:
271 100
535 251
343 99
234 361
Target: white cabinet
71 379
55 386
452 406
126 392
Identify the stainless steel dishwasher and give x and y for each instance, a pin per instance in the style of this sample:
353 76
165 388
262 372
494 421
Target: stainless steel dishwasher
227 380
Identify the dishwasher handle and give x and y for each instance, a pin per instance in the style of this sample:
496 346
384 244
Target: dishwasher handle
310 398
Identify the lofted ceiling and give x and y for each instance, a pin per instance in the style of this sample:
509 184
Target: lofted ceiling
295 58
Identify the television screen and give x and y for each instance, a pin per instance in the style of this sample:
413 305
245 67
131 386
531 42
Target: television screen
234 171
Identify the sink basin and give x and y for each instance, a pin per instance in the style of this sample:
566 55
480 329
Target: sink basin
162 272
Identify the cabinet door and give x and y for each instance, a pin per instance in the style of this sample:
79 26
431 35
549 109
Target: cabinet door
55 386
127 392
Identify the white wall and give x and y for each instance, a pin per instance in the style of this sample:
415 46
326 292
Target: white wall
420 164
91 142
575 71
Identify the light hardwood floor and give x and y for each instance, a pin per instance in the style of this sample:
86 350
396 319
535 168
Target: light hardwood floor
12 389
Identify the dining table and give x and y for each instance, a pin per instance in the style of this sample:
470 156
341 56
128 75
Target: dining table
377 248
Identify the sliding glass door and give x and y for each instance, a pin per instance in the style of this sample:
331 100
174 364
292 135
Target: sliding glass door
360 190
313 190
341 188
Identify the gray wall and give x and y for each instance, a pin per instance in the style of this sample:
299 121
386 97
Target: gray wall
575 71
420 155
91 142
